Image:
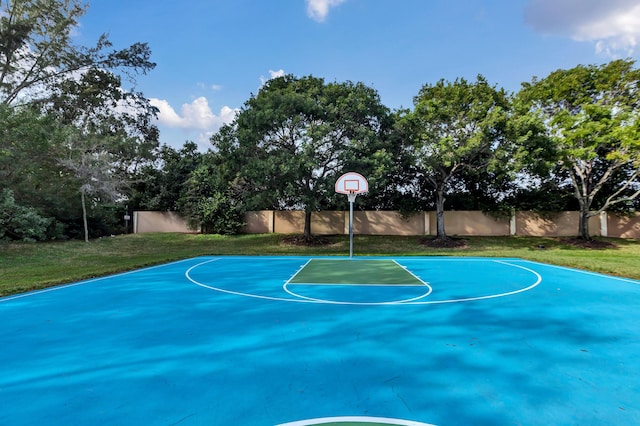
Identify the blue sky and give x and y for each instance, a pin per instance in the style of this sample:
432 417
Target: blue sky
212 55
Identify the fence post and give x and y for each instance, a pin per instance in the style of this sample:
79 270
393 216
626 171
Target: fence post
345 222
427 224
604 231
512 223
272 221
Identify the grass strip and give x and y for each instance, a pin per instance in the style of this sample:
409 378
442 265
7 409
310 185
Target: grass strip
29 266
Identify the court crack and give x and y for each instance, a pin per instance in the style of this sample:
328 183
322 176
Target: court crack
395 392
182 419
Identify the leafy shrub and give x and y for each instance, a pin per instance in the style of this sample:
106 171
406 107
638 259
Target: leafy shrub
19 222
216 214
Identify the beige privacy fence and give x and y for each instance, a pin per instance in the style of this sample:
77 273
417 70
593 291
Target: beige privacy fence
462 223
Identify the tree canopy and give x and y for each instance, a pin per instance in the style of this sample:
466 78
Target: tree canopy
38 57
455 128
78 144
297 135
51 88
591 114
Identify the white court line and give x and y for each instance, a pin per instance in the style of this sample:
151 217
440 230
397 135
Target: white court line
298 298
411 273
413 301
358 419
597 274
298 271
285 287
288 282
236 293
491 296
421 284
88 281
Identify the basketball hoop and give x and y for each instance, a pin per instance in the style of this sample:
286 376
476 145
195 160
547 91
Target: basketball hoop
351 184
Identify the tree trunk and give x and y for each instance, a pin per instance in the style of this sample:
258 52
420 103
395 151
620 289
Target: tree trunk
307 225
440 233
84 218
584 224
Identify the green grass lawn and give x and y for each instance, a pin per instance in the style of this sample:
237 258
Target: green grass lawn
25 266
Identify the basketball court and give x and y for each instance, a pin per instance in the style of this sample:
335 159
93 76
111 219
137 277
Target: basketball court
325 341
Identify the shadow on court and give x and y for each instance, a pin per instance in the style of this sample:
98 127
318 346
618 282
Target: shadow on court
167 346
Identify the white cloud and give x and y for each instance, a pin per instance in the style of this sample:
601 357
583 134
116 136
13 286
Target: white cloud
214 87
612 25
194 118
319 9
272 74
276 74
196 115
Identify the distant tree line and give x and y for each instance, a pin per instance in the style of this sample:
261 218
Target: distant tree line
78 150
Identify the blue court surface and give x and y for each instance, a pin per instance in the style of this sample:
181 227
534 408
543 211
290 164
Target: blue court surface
242 341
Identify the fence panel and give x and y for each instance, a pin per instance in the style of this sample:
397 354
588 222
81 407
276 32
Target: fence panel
623 226
146 221
468 223
563 224
462 223
387 223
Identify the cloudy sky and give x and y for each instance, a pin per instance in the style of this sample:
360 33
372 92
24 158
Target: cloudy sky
212 55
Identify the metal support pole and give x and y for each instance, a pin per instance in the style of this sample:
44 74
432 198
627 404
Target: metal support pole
352 199
350 229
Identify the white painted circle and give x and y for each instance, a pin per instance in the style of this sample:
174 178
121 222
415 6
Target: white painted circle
355 419
414 301
428 291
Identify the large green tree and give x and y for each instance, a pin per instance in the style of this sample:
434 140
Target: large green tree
592 116
50 87
28 165
213 201
456 128
294 138
92 166
38 56
41 67
161 185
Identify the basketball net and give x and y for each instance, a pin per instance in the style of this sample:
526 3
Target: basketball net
352 196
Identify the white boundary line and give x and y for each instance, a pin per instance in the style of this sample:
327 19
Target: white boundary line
87 281
298 271
414 301
491 296
421 284
359 419
338 302
410 273
288 282
597 274
286 285
235 293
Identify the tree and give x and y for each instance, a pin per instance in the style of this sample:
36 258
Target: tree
29 152
456 127
292 140
37 54
210 202
19 222
161 185
591 114
92 165
49 86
